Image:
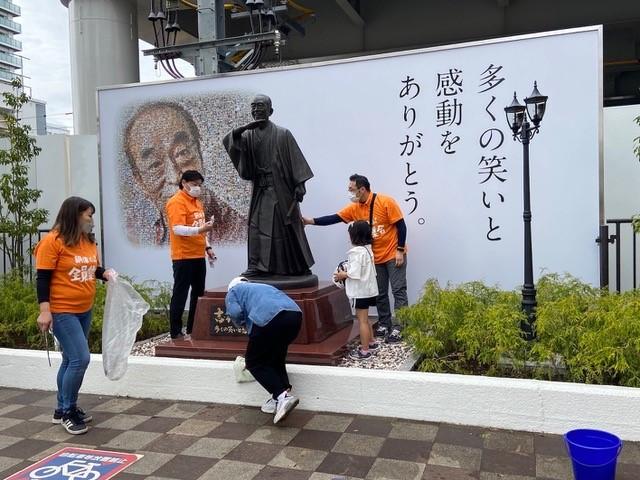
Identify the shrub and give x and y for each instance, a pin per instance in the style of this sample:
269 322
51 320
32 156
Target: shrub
596 332
19 311
560 316
473 328
465 329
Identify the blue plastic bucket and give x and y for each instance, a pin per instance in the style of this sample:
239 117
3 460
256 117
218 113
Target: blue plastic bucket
593 454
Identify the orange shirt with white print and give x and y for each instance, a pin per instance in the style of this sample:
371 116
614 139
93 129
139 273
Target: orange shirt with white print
386 213
73 277
183 209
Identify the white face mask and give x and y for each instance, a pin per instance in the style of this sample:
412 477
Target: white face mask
353 196
87 227
194 191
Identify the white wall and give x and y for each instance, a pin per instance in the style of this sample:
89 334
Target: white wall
621 182
66 166
622 167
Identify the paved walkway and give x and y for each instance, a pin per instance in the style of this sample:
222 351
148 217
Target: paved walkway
185 441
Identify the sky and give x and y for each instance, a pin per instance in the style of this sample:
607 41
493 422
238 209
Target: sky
45 44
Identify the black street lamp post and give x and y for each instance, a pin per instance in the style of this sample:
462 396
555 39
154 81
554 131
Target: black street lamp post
523 131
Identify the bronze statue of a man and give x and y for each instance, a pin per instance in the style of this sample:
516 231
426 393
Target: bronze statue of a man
269 156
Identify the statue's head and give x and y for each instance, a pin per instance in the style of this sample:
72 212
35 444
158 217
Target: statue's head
261 107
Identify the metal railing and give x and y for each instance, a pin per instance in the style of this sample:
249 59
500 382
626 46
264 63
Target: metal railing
11 59
25 249
10 7
7 75
10 25
622 227
9 41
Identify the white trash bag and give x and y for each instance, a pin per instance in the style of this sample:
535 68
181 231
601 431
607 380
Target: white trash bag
123 312
241 372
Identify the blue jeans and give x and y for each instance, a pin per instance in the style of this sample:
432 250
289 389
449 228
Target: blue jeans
72 331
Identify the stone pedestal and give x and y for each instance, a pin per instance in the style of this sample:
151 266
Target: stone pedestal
327 326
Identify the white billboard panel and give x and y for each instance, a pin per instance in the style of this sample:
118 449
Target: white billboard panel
426 127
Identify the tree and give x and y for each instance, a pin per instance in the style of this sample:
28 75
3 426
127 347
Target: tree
19 218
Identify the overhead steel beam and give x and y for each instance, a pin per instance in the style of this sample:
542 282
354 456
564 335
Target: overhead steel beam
276 9
351 12
192 48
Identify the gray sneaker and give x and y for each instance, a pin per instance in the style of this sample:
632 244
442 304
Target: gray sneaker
284 408
269 406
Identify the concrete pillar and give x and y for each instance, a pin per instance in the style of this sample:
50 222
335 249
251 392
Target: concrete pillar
104 51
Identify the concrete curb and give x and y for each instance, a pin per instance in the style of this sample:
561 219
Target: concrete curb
529 405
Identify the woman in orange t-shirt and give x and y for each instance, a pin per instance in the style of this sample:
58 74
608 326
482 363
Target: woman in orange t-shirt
188 230
67 267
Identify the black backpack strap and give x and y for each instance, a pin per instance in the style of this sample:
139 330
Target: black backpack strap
373 199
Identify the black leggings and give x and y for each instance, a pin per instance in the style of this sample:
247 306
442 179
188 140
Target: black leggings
267 351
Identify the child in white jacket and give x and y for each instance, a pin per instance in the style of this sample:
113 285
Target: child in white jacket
361 285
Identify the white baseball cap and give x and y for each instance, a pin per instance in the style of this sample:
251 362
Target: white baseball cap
236 281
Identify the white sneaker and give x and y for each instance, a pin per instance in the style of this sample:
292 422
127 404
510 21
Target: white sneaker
269 406
284 407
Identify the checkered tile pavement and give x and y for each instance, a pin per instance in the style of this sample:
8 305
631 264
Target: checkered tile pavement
185 441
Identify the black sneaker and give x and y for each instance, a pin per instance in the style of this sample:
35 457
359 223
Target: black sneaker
394 336
57 416
73 423
374 347
381 332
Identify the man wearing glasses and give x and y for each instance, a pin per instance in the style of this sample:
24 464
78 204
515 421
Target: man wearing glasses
389 233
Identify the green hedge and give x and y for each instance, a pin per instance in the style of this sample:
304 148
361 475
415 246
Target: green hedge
19 311
583 334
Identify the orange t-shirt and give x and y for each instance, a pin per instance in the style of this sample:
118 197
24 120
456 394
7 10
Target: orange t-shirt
183 209
73 278
386 212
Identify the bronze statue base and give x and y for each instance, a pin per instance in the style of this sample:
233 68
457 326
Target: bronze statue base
327 327
282 282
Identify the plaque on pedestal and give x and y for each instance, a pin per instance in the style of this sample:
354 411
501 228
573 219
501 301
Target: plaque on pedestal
327 326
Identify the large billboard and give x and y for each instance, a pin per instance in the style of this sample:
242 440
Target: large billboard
426 126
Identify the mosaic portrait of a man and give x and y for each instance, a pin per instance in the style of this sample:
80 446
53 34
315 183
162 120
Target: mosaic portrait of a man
162 139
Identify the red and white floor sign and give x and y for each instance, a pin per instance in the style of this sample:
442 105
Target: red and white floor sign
72 463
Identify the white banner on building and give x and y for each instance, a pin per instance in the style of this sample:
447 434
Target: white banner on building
425 126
